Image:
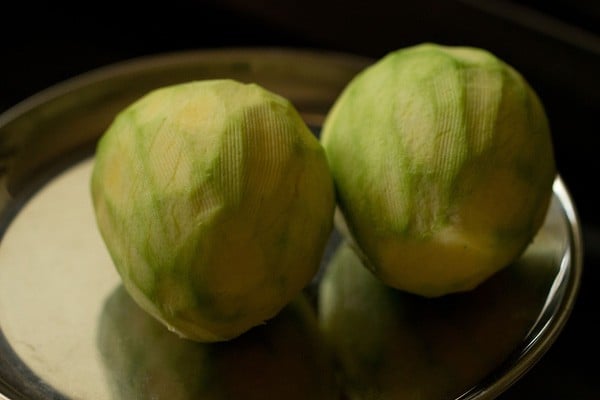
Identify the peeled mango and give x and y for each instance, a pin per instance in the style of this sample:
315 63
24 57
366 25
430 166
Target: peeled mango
215 202
443 163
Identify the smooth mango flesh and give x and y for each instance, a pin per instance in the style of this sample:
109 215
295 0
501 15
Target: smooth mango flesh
443 164
215 202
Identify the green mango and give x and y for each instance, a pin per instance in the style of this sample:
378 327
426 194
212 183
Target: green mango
284 358
443 163
215 202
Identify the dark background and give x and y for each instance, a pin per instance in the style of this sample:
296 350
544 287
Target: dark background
556 45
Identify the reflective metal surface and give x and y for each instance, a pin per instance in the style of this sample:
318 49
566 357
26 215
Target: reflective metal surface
56 278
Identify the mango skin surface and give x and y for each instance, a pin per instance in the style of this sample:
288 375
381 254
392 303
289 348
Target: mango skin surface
443 164
215 202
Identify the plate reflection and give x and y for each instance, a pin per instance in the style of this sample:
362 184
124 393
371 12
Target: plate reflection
413 347
282 359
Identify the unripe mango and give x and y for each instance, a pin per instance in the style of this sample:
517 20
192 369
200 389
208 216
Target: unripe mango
443 163
215 202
